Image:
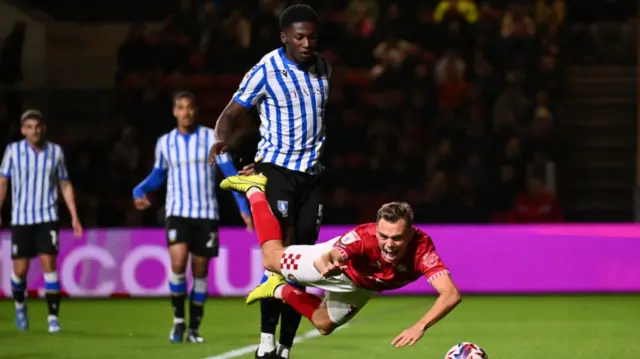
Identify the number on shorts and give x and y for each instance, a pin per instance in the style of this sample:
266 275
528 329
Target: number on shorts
54 238
212 239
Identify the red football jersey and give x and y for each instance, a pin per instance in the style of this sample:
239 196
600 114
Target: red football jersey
368 270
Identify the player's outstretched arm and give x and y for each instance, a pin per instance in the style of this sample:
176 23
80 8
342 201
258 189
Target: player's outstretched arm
448 298
153 181
330 264
251 90
224 126
149 184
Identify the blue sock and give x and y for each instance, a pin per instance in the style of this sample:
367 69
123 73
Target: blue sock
178 289
196 307
52 292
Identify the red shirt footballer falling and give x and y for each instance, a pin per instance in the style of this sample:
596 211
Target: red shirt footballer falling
368 270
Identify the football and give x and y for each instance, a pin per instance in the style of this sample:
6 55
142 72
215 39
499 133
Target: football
466 350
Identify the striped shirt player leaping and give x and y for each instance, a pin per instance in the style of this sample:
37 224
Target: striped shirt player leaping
36 168
290 88
191 208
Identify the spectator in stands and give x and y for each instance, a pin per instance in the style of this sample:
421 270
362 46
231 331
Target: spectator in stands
449 63
537 205
235 41
517 24
512 101
549 13
391 54
361 17
465 9
135 52
544 169
450 89
11 55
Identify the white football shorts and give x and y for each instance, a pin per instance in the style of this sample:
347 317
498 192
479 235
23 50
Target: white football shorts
342 298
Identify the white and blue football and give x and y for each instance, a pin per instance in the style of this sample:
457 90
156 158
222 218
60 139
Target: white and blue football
466 350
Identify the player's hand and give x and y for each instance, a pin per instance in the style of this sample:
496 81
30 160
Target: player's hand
248 170
218 148
142 203
333 268
77 227
248 221
408 337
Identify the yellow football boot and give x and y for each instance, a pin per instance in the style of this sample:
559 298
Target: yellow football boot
243 183
266 289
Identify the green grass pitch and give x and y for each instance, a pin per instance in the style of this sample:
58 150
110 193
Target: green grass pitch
508 327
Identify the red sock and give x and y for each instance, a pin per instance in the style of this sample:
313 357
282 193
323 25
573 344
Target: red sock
303 302
267 225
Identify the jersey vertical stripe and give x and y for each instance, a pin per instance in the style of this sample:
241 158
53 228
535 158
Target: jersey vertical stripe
291 102
34 177
190 180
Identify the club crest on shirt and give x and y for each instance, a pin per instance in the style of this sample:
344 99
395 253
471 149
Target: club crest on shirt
401 268
349 238
283 208
430 259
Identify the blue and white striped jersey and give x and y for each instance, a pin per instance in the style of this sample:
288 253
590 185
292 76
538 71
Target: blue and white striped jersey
191 182
291 102
34 176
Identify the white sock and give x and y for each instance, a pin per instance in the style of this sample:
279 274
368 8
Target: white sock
277 293
267 344
51 317
17 280
283 351
178 320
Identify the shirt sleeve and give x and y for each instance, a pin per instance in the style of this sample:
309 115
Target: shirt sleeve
63 174
160 161
349 245
6 166
432 266
253 86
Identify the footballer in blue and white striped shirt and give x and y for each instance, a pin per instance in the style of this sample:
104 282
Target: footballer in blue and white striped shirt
191 209
290 88
36 168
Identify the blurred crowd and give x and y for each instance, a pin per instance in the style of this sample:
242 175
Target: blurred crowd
450 105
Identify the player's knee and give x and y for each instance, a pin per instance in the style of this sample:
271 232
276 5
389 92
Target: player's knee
323 322
326 328
270 262
271 259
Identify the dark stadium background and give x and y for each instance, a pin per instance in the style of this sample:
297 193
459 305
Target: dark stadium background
460 152
457 118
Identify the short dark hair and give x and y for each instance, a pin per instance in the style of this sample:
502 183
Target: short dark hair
298 13
395 211
183 94
31 114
